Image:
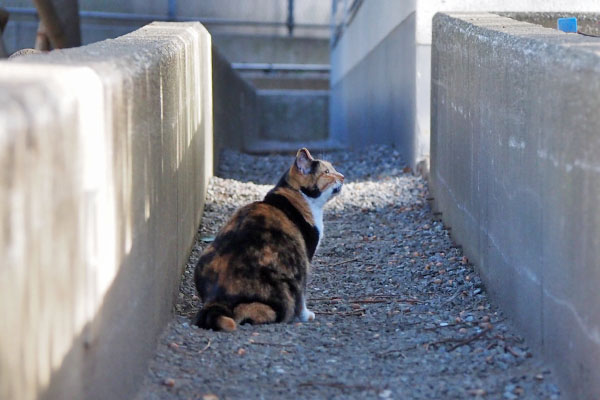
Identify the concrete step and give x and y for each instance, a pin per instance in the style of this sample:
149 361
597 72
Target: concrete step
262 146
272 49
293 115
285 76
291 78
287 80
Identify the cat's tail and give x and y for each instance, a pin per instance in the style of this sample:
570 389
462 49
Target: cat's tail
254 313
220 317
216 316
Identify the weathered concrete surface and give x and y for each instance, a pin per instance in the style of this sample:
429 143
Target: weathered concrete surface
514 169
586 22
360 96
105 151
293 115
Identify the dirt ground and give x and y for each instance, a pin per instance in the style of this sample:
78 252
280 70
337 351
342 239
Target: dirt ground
400 312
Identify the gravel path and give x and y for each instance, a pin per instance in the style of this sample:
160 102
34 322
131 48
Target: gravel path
400 312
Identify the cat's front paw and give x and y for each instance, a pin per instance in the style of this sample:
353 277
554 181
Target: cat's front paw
307 315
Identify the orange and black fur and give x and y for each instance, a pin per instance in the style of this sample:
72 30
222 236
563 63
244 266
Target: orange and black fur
256 269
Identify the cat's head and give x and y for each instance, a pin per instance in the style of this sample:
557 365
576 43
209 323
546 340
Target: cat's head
316 179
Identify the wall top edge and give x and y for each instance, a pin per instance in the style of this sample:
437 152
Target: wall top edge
532 38
373 22
135 49
426 10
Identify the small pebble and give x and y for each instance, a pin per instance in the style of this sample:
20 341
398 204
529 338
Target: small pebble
382 220
170 382
477 392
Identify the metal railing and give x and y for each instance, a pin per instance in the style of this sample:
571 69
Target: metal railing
51 41
274 67
342 17
145 18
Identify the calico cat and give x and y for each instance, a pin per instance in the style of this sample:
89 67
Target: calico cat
256 268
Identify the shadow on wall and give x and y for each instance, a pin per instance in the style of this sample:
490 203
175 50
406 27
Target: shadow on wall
372 103
235 108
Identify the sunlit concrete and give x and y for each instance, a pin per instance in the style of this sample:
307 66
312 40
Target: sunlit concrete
105 152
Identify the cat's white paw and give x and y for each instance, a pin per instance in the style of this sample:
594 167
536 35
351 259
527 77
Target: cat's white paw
307 315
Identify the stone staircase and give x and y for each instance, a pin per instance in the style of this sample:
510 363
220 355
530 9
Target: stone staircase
291 79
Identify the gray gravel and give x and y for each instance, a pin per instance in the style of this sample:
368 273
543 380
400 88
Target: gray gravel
401 314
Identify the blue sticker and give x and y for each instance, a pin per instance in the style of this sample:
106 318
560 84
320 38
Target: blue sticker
567 24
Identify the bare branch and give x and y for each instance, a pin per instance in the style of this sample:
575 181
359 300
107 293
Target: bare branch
3 22
3 19
51 23
42 42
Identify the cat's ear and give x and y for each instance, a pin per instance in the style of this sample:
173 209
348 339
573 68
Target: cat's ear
304 160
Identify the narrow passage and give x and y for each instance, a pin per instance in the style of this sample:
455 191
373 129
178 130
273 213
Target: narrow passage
400 312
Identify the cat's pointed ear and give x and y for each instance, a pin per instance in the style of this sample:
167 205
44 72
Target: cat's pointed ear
304 160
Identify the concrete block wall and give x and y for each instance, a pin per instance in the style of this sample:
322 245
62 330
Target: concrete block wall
515 172
380 70
298 116
235 107
105 153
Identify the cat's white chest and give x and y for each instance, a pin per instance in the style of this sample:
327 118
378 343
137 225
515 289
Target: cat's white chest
318 217
316 208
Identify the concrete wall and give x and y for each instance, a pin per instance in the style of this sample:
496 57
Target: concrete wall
515 172
105 152
273 49
265 121
235 107
398 34
294 115
372 77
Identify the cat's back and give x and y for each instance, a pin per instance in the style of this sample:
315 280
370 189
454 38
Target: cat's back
256 245
256 226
